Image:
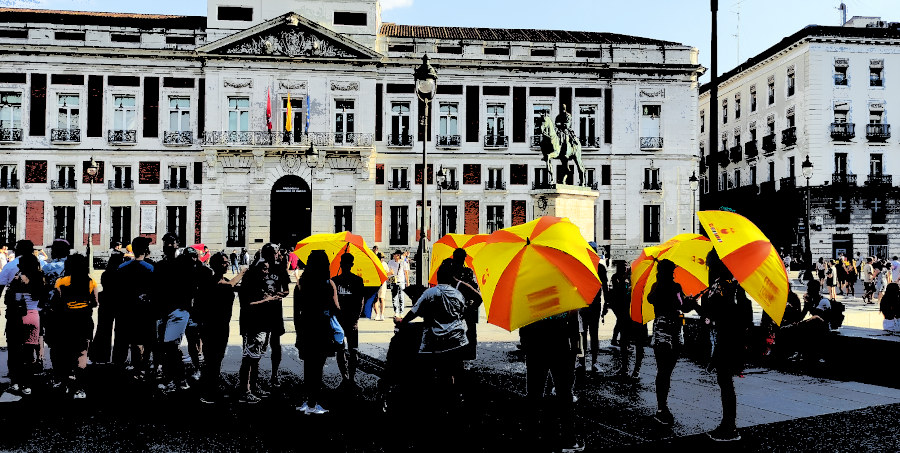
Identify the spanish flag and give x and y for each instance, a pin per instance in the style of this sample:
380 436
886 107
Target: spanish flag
289 121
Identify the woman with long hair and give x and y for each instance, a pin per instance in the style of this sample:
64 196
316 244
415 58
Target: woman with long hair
820 271
23 323
107 312
889 307
77 297
315 300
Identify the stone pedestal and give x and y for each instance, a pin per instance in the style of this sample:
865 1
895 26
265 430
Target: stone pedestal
575 202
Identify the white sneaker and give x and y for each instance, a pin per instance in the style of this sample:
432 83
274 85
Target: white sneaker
316 410
196 375
26 391
79 395
304 408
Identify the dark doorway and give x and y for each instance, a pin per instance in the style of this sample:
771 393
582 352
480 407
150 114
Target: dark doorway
841 244
291 211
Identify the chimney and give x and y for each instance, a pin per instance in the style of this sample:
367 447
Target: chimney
843 10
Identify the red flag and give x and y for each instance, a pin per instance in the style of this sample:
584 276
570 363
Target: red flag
268 110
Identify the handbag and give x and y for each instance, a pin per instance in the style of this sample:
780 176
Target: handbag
336 329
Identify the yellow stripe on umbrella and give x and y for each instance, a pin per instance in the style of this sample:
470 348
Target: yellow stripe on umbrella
365 263
750 257
445 246
531 271
688 252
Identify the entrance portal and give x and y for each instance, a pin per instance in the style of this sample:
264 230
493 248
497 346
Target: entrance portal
290 216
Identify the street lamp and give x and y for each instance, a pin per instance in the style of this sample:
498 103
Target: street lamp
426 85
92 173
695 184
441 179
807 168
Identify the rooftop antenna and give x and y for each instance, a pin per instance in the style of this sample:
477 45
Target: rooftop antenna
843 9
737 34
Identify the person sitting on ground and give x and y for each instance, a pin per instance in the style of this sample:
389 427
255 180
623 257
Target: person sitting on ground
890 308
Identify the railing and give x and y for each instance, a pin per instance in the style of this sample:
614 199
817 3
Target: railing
449 185
768 144
750 149
121 136
12 184
538 185
787 183
398 185
592 185
590 142
495 185
10 135
736 153
65 135
722 158
62 185
237 138
789 136
175 185
178 138
287 138
400 141
878 132
496 141
449 140
651 142
652 185
120 184
879 180
342 138
844 179
843 131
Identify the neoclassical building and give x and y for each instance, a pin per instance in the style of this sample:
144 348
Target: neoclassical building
173 110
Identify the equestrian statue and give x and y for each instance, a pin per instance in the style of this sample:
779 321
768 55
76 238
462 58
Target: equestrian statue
559 140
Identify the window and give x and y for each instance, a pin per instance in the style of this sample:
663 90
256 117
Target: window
347 18
792 172
176 220
538 119
494 218
399 225
737 106
725 111
400 125
876 116
841 112
8 221
448 220
840 71
651 223
752 98
650 127
724 183
343 218
177 178
587 126
64 223
605 175
399 178
125 113
121 178
840 163
68 112
702 121
771 171
791 119
876 165
238 114
770 125
541 177
9 177
753 175
451 177
591 176
651 179
496 125
790 81
344 121
737 138
294 133
237 226
121 224
495 179
10 113
65 177
876 69
235 13
753 132
179 114
737 178
771 92
448 124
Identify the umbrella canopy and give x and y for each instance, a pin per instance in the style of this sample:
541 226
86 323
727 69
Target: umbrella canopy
688 252
445 246
531 271
750 257
199 248
365 264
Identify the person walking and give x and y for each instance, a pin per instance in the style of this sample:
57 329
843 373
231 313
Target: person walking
77 295
276 282
233 260
315 300
350 289
589 319
629 331
867 272
139 319
820 271
23 322
378 305
399 280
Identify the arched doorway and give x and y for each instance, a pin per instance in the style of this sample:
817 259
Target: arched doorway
290 216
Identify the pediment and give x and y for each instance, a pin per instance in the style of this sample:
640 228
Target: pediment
290 36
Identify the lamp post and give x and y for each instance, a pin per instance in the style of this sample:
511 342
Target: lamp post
807 168
92 173
426 85
695 184
441 179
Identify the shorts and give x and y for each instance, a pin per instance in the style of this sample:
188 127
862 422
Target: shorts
255 344
176 323
31 327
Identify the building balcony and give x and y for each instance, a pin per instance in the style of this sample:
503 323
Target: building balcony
496 141
592 185
120 185
651 143
400 141
536 141
702 164
287 138
879 180
768 144
176 185
351 139
542 185
11 184
843 131
750 149
122 137
62 185
722 158
449 185
10 135
878 132
590 142
449 141
495 185
293 138
265 138
652 185
736 153
789 136
788 183
65 135
843 179
178 138
398 185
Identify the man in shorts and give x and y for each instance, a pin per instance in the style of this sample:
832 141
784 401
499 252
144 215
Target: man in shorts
350 297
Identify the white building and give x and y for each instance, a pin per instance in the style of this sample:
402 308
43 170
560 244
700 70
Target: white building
824 92
174 111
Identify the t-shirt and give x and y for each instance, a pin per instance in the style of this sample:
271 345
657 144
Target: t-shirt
75 299
866 272
895 270
350 297
442 307
3 259
11 269
400 270
136 284
214 306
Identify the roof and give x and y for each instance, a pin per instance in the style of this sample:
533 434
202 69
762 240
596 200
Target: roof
49 16
515 34
810 31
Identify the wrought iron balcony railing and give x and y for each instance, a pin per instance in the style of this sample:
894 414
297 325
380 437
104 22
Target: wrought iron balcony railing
10 134
238 138
736 153
452 141
651 142
879 180
590 142
843 131
536 141
288 138
400 141
342 138
787 183
843 179
449 185
750 149
495 185
65 135
538 185
295 138
722 158
652 185
9 184
789 136
68 184
176 185
878 132
768 144
122 136
496 141
398 185
178 138
120 184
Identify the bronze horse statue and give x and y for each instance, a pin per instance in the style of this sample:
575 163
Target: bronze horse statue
563 145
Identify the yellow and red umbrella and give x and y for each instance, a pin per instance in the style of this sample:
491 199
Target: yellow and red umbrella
445 246
688 252
750 257
365 264
531 271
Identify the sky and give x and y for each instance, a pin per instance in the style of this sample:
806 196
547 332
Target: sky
746 27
